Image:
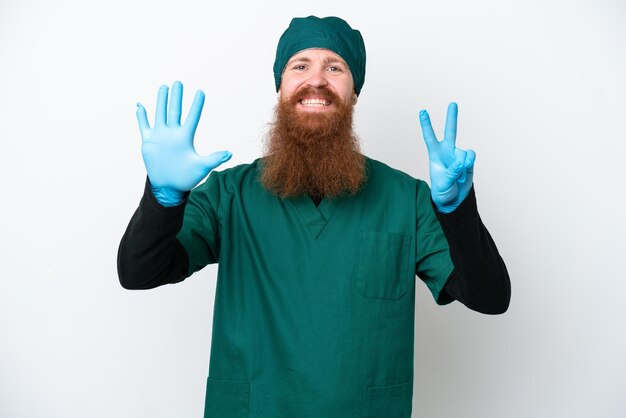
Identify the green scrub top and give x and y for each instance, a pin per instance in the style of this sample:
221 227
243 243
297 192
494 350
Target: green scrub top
314 306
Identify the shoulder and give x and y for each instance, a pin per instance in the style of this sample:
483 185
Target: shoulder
239 172
379 173
233 178
222 186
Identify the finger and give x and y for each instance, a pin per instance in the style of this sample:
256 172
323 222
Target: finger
142 118
451 119
470 158
427 131
462 176
173 115
216 159
465 161
459 164
454 172
459 156
194 113
161 108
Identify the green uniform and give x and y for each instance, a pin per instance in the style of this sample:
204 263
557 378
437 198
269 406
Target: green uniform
314 306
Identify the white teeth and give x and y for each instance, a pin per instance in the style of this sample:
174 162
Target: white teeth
315 102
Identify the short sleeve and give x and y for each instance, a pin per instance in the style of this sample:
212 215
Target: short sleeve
200 233
433 264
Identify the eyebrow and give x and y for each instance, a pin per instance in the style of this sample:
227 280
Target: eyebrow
326 61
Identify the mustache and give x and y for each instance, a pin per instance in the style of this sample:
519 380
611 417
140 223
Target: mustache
321 92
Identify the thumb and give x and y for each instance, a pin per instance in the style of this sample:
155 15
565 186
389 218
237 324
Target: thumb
142 118
456 172
217 158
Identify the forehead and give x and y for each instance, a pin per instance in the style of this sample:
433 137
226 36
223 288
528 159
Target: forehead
322 54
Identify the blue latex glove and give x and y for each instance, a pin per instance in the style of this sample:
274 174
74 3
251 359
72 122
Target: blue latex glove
172 163
451 168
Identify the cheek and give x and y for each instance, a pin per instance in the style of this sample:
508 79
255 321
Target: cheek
287 88
347 93
344 89
291 82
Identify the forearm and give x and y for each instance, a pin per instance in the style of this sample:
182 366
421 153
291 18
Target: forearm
149 254
480 280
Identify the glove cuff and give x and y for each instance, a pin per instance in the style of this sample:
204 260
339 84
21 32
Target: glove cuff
167 197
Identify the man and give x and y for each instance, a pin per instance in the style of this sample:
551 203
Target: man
318 246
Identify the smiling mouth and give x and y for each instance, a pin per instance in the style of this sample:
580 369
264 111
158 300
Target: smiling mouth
315 102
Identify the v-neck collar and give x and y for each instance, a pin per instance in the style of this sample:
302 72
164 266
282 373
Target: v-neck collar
314 218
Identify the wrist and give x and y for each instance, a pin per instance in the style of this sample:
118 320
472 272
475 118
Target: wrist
167 197
462 209
444 208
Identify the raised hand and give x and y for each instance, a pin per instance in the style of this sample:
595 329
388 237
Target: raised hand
170 158
451 168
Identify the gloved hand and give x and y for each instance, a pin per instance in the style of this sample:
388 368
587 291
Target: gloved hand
172 163
451 168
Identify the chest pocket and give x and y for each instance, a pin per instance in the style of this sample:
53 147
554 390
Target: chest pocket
384 264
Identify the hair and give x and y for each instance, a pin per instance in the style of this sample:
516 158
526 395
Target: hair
311 153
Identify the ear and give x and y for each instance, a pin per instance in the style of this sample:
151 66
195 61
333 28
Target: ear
355 98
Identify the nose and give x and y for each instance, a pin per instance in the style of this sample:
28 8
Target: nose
317 78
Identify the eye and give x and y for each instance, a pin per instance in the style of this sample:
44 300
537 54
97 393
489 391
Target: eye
299 67
334 69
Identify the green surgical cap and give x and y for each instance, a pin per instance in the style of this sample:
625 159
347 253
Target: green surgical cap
329 33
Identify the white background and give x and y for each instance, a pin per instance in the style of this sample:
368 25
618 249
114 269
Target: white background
540 87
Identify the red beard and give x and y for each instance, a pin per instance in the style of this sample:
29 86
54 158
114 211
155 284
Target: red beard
313 153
